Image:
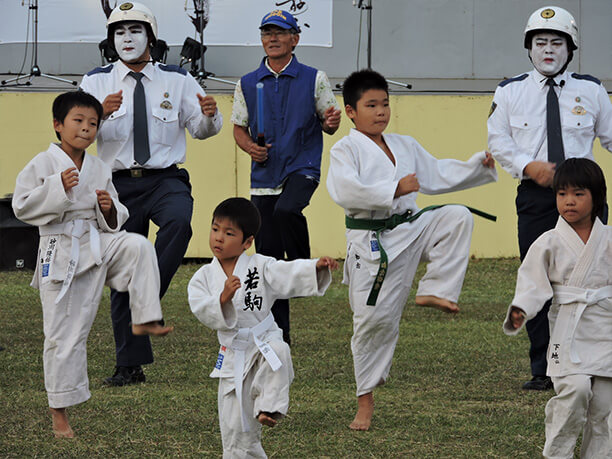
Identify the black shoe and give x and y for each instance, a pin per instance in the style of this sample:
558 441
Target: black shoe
124 376
538 383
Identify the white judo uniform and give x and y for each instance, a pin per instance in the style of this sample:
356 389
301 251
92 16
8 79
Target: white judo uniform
363 181
578 278
254 363
78 254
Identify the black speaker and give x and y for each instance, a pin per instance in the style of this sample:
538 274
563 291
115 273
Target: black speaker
18 240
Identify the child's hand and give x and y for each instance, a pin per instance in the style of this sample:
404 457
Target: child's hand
489 161
104 201
517 317
70 178
326 262
406 185
229 288
111 103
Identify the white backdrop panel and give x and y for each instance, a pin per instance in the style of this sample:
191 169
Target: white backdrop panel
231 22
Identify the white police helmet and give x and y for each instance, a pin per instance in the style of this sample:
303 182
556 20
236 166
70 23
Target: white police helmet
554 19
132 11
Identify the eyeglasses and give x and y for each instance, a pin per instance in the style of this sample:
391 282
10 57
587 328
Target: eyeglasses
275 33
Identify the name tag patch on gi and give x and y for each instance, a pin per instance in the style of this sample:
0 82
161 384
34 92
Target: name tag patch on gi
374 247
555 353
48 256
220 357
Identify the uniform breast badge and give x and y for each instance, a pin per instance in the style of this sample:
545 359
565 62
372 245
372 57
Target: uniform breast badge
579 110
166 105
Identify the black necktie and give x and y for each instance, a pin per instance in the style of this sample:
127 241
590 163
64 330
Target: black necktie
553 125
141 131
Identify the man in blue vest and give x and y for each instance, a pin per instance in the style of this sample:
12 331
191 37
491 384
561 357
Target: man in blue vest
298 105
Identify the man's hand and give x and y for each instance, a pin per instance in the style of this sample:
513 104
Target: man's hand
70 178
517 317
331 120
326 262
111 103
232 283
541 172
488 162
406 185
259 154
208 105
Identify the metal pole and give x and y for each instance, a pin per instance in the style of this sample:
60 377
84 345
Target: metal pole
369 8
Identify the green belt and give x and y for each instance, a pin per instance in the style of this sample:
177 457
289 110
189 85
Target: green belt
387 224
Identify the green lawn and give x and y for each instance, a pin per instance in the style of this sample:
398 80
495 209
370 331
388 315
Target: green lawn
454 389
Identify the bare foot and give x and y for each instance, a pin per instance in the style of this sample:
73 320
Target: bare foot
61 427
365 409
438 303
151 328
267 419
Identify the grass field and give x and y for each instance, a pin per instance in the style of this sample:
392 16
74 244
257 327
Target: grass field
454 389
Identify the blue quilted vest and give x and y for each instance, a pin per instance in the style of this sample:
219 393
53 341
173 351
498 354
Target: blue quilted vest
291 123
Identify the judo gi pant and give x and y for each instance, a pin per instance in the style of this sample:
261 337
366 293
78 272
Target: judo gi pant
284 231
128 264
262 390
444 244
165 199
582 404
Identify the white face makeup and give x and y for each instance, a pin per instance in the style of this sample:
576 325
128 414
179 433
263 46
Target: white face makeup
548 53
131 41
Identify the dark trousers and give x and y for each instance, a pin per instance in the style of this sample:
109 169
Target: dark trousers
165 199
284 231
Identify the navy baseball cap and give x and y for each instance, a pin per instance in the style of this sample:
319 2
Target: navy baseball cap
280 18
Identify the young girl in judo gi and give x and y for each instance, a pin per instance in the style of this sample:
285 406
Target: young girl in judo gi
375 178
572 264
69 195
234 294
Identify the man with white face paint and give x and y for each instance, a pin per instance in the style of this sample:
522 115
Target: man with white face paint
147 107
537 120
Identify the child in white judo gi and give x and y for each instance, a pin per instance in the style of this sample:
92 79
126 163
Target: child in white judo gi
69 195
572 264
234 294
375 178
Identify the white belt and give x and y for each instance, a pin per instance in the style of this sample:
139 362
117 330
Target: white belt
243 340
75 229
583 297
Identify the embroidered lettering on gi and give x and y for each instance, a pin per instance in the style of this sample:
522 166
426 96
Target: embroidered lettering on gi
252 279
250 303
220 358
555 354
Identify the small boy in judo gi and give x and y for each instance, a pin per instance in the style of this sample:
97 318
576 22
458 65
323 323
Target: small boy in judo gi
233 295
572 264
69 195
375 178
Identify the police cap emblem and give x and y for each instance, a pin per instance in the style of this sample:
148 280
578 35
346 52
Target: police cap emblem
547 13
129 6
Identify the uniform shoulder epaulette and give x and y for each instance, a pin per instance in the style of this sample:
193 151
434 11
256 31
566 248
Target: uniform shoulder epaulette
105 69
516 78
172 68
578 76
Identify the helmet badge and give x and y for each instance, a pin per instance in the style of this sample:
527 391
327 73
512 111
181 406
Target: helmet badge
129 6
547 13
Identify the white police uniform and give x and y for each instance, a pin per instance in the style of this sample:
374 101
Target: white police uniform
172 106
517 124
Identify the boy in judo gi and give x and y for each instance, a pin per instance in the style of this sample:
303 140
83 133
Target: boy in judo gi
234 295
572 264
69 195
375 178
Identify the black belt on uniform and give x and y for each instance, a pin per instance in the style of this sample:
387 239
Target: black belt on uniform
141 172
